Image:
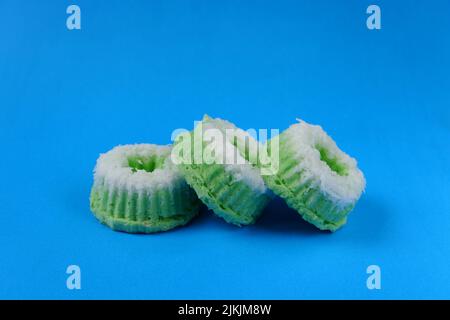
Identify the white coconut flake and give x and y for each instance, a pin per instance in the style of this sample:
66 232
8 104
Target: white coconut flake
112 169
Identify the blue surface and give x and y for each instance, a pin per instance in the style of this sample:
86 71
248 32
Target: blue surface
137 70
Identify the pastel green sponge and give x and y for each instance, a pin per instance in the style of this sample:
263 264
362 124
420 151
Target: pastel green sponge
315 177
137 189
226 181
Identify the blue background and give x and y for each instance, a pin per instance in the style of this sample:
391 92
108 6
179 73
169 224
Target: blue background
137 70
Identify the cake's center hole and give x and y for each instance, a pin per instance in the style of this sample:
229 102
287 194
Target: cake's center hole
332 162
148 164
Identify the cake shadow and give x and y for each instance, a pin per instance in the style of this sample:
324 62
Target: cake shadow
367 223
208 219
278 217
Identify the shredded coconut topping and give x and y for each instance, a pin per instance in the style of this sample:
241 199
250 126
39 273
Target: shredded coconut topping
113 168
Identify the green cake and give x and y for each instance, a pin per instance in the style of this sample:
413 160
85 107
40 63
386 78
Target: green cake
315 177
137 189
226 182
